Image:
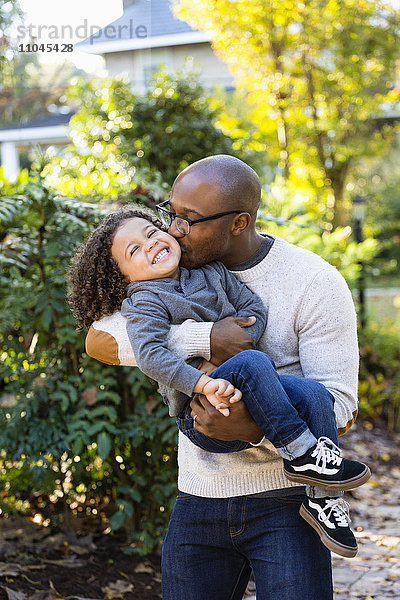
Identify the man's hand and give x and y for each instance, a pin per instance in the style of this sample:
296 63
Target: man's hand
228 338
239 426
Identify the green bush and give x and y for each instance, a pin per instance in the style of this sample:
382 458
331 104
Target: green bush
379 181
301 224
83 437
166 129
379 382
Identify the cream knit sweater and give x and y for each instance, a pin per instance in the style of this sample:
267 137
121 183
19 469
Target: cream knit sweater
311 332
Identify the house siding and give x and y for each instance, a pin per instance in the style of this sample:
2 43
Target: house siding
138 64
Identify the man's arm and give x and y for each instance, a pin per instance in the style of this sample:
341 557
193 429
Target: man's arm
328 352
107 340
328 347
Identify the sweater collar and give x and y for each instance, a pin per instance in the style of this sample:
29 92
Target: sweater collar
264 265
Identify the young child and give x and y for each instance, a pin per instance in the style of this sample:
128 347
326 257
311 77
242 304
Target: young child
130 259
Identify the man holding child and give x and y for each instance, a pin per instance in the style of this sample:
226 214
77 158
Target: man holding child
238 512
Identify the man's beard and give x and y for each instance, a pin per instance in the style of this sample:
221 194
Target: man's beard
189 260
193 260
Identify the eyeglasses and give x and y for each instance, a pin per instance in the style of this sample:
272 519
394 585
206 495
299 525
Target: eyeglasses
184 224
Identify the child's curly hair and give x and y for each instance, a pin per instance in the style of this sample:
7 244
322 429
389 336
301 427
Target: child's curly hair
97 286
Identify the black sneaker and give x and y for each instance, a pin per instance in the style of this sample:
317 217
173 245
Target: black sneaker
322 465
330 518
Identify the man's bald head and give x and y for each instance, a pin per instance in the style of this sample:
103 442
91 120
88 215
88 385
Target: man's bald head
238 184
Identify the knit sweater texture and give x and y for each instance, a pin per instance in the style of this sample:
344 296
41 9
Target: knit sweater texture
311 332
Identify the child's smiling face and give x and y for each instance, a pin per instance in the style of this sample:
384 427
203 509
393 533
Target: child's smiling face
144 252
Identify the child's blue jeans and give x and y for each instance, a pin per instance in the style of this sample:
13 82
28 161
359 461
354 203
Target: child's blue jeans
292 412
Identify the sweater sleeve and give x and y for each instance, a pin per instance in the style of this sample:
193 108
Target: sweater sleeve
107 340
328 348
191 339
246 303
148 327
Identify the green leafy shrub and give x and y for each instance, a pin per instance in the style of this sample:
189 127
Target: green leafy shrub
166 129
285 213
86 438
6 187
379 386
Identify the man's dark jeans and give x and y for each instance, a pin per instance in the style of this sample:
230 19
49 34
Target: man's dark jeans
212 544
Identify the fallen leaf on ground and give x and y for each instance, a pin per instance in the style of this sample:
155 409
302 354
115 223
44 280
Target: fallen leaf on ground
50 594
56 540
54 591
9 569
117 589
21 531
71 563
144 568
13 595
80 550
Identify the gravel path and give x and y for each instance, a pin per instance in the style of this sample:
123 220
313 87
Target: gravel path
374 574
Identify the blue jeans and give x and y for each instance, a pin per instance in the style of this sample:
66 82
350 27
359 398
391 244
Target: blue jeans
213 543
292 412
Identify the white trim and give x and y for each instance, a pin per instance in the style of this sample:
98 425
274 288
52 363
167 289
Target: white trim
54 133
176 39
9 160
392 114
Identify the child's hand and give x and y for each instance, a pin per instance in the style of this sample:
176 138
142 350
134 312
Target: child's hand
219 389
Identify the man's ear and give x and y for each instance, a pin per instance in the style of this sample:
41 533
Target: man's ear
240 223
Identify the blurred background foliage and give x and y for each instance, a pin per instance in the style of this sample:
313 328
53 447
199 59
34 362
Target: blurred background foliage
317 88
88 439
90 446
166 129
10 13
29 89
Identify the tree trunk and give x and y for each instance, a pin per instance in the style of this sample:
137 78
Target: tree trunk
338 176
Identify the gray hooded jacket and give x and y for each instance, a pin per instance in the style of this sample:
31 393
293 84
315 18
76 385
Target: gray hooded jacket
209 293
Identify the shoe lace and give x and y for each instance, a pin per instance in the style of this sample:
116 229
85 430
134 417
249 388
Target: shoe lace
327 454
340 509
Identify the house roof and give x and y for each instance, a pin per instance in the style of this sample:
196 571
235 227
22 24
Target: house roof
144 24
47 121
51 129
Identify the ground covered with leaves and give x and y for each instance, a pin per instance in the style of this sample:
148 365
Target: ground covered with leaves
374 574
38 565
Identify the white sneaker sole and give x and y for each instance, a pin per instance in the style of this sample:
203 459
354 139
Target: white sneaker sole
349 484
